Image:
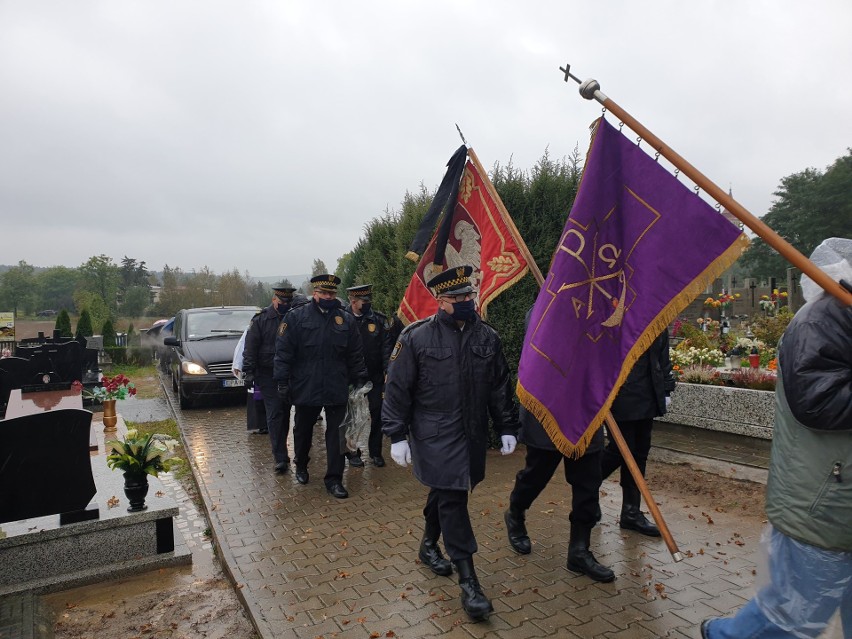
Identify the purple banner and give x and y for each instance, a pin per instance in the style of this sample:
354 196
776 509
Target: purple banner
638 246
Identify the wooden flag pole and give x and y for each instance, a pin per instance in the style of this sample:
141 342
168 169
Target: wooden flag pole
615 432
590 90
612 426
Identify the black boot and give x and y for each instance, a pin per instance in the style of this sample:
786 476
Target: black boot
473 600
632 517
581 559
431 556
517 530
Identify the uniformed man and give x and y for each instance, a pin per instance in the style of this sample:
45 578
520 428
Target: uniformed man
446 375
258 359
584 475
374 327
318 355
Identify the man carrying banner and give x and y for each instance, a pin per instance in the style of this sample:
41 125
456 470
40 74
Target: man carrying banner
584 475
644 396
447 374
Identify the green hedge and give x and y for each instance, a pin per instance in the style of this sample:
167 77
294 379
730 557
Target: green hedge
130 355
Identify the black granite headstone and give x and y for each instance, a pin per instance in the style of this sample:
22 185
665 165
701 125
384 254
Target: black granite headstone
45 467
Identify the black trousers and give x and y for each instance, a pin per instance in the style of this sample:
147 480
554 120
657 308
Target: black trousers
277 418
374 397
583 474
637 434
446 513
303 434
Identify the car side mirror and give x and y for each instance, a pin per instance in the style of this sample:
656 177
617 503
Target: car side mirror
171 341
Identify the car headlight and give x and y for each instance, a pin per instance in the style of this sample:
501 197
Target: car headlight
191 368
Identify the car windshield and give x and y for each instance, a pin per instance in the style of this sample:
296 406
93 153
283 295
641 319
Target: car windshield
218 323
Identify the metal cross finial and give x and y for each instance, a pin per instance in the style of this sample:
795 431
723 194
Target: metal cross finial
568 75
461 135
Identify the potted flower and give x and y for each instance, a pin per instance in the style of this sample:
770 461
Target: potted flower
140 455
110 390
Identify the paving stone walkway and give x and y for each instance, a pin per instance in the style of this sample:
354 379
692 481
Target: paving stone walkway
307 565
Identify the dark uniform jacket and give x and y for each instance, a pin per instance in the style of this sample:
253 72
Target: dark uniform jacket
533 434
644 392
259 351
374 329
318 355
442 385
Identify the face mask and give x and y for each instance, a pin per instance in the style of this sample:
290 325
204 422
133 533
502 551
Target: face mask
282 307
327 305
365 308
464 311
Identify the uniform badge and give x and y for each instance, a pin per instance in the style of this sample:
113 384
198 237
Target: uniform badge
371 327
338 320
281 328
396 350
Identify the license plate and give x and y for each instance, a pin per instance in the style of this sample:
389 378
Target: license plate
230 383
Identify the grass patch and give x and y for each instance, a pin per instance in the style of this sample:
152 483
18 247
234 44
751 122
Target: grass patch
145 378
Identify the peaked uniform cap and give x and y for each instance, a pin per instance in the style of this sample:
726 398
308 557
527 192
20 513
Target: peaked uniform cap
284 292
325 282
453 281
364 291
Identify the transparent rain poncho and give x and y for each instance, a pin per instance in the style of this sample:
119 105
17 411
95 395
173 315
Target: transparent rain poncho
355 427
800 572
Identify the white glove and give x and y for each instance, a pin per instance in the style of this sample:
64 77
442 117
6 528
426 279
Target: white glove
401 453
668 402
509 443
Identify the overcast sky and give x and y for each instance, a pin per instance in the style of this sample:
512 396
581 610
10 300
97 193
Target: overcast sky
260 135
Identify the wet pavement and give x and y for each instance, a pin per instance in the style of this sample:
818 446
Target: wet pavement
308 565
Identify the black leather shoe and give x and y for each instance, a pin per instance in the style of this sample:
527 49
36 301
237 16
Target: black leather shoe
302 475
378 460
338 491
355 460
516 529
260 431
633 519
281 468
430 555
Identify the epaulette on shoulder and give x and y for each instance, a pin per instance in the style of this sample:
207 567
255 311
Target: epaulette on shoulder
414 326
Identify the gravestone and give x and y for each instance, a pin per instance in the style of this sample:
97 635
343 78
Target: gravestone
45 467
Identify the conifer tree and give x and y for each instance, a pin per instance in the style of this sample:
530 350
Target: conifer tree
84 325
108 332
63 324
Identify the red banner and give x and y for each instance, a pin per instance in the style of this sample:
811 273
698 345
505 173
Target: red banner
480 237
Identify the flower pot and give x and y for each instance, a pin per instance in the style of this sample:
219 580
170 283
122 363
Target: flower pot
110 418
135 488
